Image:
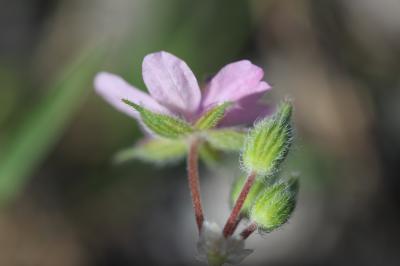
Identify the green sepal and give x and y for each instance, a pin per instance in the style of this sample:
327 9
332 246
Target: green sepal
274 206
268 143
155 150
229 140
211 118
209 155
162 125
254 192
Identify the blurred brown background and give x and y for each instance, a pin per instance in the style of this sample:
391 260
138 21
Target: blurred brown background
65 203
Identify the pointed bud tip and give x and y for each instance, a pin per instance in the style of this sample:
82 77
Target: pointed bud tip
268 143
285 111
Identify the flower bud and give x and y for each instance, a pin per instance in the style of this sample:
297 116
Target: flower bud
274 205
267 144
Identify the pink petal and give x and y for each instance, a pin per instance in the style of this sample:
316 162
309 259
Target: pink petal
171 82
113 89
246 111
234 82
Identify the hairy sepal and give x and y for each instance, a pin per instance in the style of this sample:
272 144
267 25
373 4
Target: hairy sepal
211 118
156 150
229 140
161 124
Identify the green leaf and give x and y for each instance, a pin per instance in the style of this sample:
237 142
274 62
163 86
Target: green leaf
44 124
229 140
254 192
274 205
156 150
162 125
211 118
268 143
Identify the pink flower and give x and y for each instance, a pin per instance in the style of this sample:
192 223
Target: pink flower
174 90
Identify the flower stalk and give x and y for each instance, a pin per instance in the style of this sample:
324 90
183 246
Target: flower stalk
194 183
232 223
248 230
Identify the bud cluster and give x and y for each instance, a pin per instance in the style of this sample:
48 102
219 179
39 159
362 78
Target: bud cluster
271 199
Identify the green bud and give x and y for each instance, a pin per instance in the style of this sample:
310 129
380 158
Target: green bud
268 143
160 124
211 118
229 140
274 205
255 190
157 150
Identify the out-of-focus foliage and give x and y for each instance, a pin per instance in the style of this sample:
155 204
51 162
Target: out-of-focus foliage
41 128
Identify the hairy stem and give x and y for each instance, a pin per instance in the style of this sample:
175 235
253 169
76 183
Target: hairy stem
248 230
232 223
194 184
238 220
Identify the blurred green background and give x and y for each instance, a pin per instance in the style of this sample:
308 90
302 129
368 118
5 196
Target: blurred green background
63 201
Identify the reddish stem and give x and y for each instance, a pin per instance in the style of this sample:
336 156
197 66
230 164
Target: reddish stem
194 185
248 230
238 220
232 223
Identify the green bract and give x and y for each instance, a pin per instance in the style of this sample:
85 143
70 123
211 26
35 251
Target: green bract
274 205
157 150
162 125
211 118
226 139
255 190
267 144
